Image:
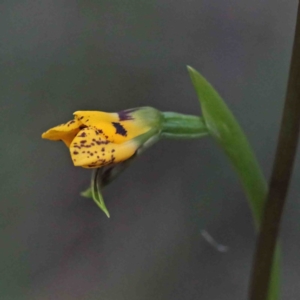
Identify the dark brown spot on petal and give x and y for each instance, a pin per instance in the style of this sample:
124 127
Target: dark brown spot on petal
83 134
98 131
71 122
120 129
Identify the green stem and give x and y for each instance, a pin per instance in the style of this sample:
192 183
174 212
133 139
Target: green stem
181 126
282 171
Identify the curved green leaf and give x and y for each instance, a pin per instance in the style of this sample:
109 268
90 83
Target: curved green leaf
87 193
224 128
96 192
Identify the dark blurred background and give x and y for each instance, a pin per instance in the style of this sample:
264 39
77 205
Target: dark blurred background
60 56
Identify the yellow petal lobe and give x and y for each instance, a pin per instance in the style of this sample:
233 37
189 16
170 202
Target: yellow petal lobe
65 132
91 149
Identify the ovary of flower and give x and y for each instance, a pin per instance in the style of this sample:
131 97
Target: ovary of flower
96 139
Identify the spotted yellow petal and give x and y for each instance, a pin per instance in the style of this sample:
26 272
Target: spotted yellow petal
101 120
89 117
117 128
91 149
65 132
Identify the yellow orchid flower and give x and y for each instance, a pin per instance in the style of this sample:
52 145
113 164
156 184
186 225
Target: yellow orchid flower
96 139
108 142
